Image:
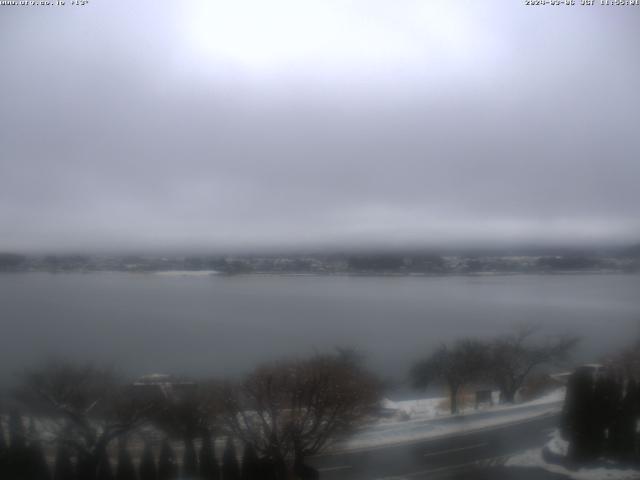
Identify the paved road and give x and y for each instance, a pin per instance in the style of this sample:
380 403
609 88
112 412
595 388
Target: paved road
436 458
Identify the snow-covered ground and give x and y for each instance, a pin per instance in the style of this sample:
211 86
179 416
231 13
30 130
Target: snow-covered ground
438 407
186 273
534 458
424 407
423 419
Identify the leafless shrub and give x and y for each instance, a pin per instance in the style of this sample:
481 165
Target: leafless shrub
455 366
292 409
85 407
514 357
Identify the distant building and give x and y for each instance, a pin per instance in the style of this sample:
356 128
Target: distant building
563 377
160 386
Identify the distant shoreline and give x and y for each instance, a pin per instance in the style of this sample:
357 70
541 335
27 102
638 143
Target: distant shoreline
216 273
376 265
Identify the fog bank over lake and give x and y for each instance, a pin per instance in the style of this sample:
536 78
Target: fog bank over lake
224 326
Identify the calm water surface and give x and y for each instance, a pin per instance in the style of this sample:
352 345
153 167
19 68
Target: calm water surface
214 325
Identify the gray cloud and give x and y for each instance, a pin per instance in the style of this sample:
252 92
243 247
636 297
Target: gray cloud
163 125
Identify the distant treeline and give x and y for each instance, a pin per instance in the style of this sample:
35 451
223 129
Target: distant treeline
623 260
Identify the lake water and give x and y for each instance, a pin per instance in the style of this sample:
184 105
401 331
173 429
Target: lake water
217 325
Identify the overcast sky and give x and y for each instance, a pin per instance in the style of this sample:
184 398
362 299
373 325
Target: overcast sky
207 124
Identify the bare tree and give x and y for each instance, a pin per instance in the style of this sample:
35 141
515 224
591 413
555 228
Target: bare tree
513 357
189 412
86 408
293 409
627 362
455 366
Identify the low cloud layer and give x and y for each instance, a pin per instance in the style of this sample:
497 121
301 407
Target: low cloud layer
239 125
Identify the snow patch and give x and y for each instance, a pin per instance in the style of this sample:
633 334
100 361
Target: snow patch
391 433
533 458
557 445
186 273
427 408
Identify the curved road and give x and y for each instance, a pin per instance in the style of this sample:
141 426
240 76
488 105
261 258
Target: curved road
443 457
